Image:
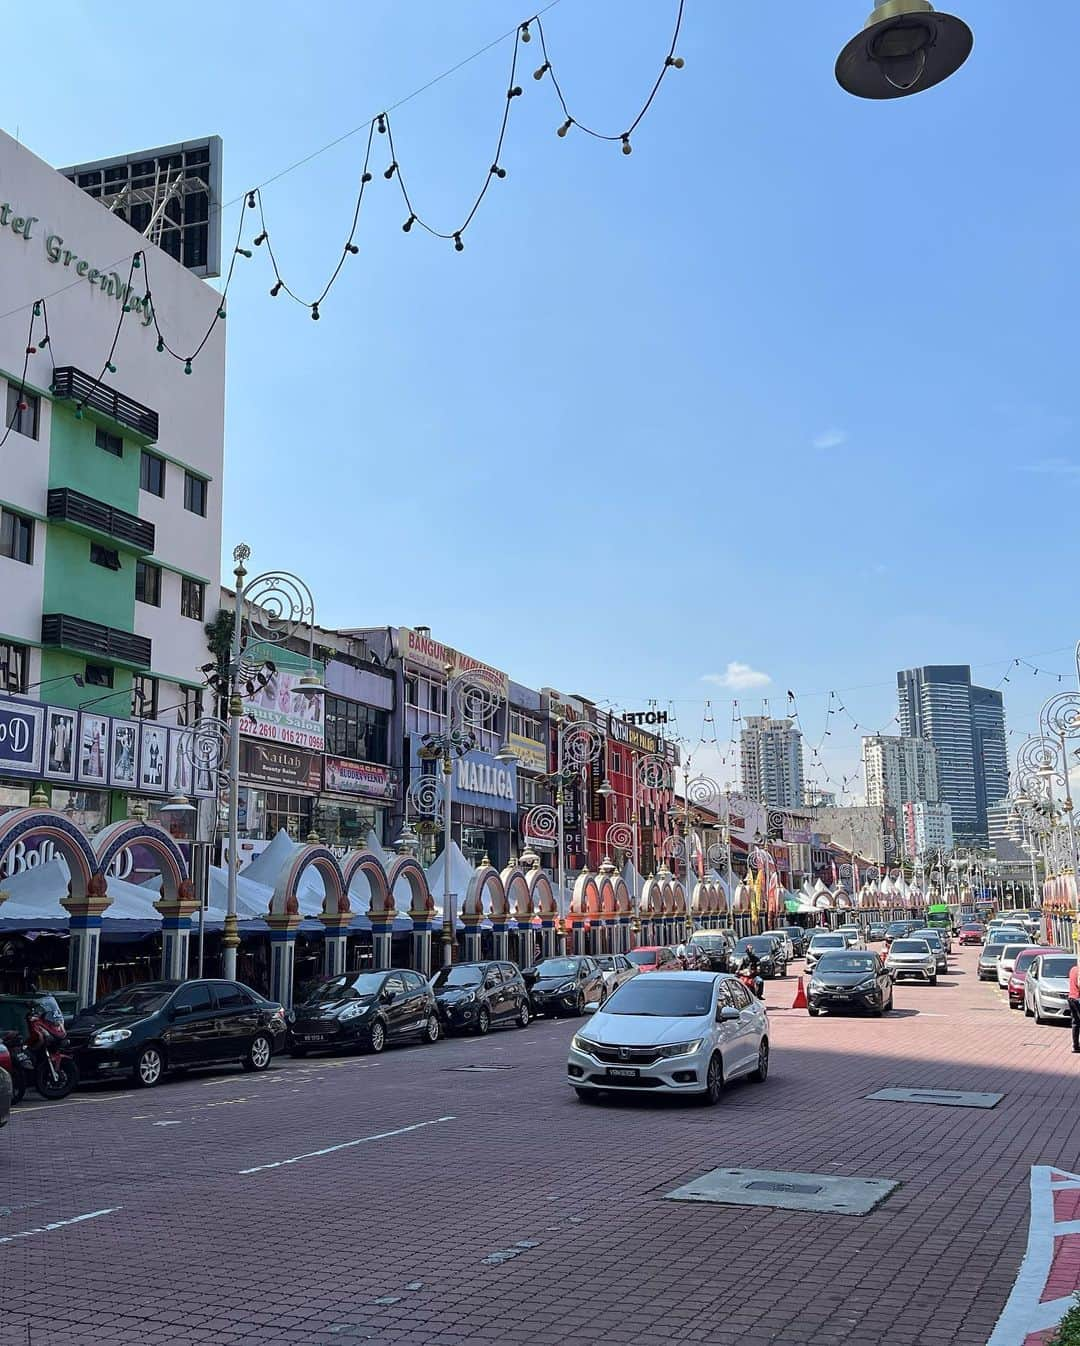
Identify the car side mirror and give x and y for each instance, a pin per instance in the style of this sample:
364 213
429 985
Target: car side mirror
727 1014
489 984
179 1011
592 1006
388 997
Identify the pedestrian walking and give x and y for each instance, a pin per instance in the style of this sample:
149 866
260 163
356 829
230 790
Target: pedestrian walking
1074 1004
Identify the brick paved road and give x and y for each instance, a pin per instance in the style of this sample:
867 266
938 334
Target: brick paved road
197 1251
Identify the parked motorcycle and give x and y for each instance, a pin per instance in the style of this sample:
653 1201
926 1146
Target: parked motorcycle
43 1058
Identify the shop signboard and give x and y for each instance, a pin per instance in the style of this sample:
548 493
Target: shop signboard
282 713
21 737
797 832
275 764
532 755
649 717
631 736
480 780
343 776
418 650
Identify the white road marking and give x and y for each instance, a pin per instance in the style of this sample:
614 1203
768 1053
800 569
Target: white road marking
73 1103
345 1145
1025 1312
59 1224
167 1123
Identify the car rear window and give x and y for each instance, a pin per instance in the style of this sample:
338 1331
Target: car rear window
910 946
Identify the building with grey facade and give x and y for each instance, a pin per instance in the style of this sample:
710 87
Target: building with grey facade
771 758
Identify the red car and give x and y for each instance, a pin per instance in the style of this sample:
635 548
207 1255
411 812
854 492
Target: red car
656 958
972 934
1018 976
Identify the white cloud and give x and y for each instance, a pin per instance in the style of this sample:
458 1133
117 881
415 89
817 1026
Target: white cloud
830 439
738 677
1053 467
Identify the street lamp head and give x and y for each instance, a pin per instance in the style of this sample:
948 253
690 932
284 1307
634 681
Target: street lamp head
178 803
506 755
904 48
310 684
604 789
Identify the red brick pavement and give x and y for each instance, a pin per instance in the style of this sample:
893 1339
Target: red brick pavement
569 1197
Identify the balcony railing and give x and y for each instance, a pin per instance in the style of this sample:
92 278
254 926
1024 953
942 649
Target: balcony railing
70 506
73 633
84 388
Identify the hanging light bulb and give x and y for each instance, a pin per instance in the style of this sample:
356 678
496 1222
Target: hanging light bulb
136 261
244 252
160 345
526 36
275 289
187 366
905 47
627 148
351 247
565 127
458 245
44 341
260 239
380 123
110 366
251 201
37 308
315 312
408 224
31 350
497 171
515 92
365 178
542 70
221 313
390 171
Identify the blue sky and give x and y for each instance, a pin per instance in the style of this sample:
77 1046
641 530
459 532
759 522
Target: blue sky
791 387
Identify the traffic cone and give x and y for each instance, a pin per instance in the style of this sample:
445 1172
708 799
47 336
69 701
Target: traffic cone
800 996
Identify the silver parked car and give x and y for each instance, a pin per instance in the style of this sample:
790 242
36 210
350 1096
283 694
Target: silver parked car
937 943
684 1033
910 957
822 942
616 968
1046 988
988 959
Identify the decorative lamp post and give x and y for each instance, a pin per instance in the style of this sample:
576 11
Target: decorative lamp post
904 48
268 611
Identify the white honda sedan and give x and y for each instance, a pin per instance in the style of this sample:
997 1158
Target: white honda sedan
683 1033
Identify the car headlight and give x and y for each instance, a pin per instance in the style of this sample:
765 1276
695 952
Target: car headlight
870 984
109 1037
581 1044
681 1049
291 1016
815 985
468 998
353 1011
567 986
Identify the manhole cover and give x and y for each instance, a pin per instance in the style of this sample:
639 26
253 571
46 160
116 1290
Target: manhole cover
475 1070
786 1191
943 1098
808 1188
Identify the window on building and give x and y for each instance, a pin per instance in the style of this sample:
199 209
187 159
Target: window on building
192 593
152 473
108 557
356 730
14 665
289 813
528 726
191 708
98 675
148 583
110 443
23 411
144 697
17 536
195 493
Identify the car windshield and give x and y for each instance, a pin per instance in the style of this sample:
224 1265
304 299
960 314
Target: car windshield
558 967
457 976
931 936
1057 967
643 957
910 946
659 998
759 943
847 962
827 942
143 999
1024 960
991 950
1011 950
896 929
351 986
708 941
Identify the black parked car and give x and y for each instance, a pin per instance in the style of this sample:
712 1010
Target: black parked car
797 935
152 1027
564 985
770 954
365 1010
716 946
471 997
852 979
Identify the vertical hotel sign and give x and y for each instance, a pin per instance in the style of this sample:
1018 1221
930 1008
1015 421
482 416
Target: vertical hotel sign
419 651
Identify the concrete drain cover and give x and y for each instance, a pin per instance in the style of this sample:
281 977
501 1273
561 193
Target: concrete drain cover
472 1070
786 1191
944 1098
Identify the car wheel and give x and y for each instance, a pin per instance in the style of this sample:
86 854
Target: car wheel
149 1067
579 1004
298 1052
813 1011
259 1054
376 1037
1040 1018
714 1080
933 980
523 1016
1028 1012
483 1020
761 1073
432 1030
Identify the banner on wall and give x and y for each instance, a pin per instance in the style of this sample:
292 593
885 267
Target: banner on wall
281 713
420 651
341 775
273 764
21 734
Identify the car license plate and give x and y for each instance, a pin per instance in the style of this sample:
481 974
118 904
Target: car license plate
624 1072
315 1037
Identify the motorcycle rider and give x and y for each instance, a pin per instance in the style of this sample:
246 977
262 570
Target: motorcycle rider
748 968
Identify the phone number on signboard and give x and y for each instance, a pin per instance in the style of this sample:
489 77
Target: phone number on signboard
277 733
